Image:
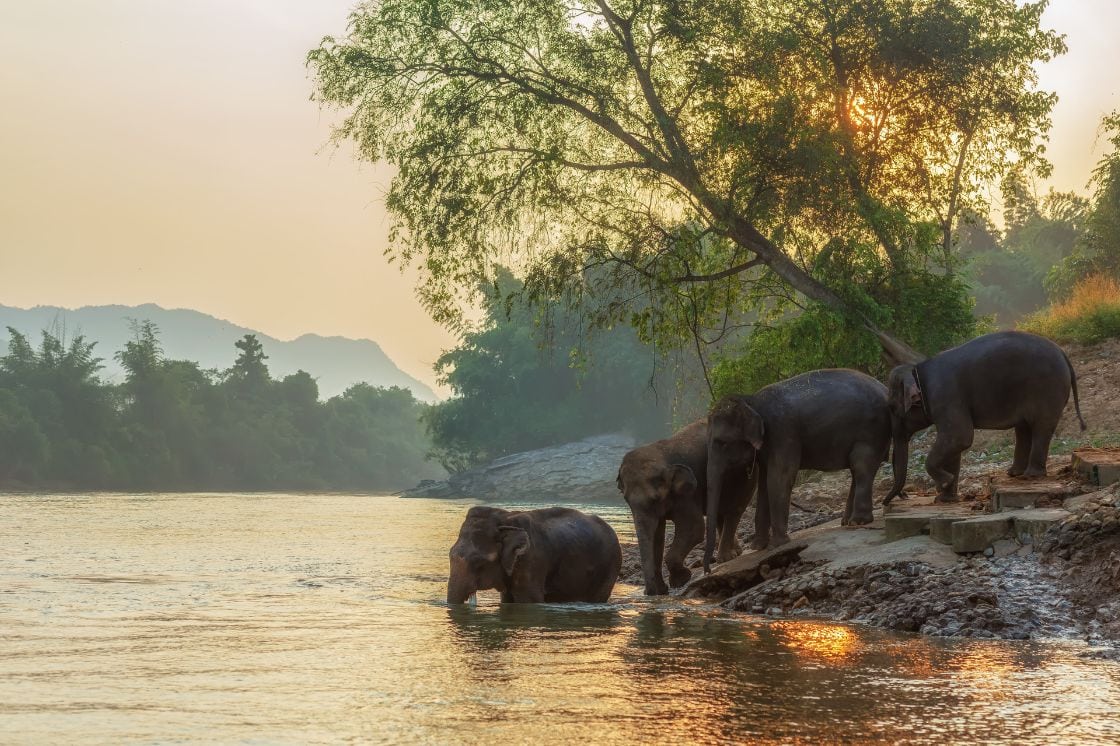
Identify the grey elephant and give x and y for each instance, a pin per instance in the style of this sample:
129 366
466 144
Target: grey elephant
533 556
995 382
825 420
667 481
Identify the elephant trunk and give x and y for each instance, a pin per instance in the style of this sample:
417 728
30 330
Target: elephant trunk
900 458
711 522
460 586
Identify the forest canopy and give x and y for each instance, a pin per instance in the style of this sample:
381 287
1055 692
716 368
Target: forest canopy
692 167
172 425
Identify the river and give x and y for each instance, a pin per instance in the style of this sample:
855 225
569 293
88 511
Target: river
320 619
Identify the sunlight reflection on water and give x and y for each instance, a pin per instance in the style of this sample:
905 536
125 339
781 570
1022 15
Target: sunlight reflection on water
318 618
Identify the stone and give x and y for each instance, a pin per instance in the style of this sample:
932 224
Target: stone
1032 525
977 534
902 525
1004 548
1099 466
941 527
743 572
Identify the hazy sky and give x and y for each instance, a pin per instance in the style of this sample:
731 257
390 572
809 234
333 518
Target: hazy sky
167 151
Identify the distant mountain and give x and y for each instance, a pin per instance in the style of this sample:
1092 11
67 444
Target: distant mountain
335 362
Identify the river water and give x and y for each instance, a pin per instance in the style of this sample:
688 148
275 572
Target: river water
320 619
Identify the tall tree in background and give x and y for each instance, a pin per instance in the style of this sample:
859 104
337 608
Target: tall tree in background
707 154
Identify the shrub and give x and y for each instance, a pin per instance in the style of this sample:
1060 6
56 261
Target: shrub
1090 314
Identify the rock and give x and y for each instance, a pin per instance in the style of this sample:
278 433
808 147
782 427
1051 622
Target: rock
803 601
581 471
743 572
1004 548
977 534
989 552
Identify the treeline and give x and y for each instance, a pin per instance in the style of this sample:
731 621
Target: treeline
172 425
532 375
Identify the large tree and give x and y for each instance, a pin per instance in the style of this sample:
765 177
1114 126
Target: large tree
681 143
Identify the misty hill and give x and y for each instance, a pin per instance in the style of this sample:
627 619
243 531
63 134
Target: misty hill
335 362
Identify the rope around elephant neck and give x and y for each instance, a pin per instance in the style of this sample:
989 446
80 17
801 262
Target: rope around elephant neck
921 393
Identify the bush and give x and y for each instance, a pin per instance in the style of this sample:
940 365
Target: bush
1090 315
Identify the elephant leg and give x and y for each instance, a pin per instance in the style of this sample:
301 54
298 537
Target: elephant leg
1022 450
761 513
944 461
779 485
848 505
651 546
865 465
729 547
1041 435
688 531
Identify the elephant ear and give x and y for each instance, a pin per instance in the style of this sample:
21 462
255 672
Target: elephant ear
515 542
618 481
682 481
754 429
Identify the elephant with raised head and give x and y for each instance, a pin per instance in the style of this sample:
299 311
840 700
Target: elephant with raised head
533 556
995 382
825 420
667 481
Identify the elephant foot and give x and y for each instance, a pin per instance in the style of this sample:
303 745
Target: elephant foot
658 589
759 543
1034 471
778 540
946 498
860 519
726 557
679 576
1015 471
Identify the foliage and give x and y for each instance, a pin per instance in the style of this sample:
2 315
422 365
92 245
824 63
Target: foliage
1007 272
680 165
1089 315
1098 252
170 425
525 379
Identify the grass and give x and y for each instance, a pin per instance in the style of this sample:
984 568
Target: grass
1090 315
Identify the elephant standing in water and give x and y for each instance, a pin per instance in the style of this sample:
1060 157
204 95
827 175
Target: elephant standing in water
551 554
667 481
826 420
995 382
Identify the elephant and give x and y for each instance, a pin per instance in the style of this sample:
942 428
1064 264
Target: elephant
997 381
533 556
825 420
667 481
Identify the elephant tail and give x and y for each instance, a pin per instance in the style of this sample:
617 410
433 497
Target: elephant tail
1073 382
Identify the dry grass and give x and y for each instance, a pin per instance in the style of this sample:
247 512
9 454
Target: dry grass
1091 315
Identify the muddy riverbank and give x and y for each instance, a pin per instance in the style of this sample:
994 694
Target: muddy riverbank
1064 583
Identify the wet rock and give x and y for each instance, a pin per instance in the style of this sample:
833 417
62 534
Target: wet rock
977 534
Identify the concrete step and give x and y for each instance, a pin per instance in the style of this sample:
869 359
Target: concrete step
1030 525
977 534
941 527
899 526
1018 493
1099 466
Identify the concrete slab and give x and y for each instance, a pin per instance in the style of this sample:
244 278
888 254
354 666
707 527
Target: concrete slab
1030 525
941 527
1099 466
977 534
901 525
1018 493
